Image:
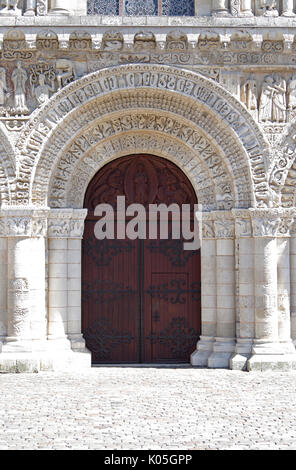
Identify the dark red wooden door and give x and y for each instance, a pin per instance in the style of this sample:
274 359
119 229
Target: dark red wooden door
140 298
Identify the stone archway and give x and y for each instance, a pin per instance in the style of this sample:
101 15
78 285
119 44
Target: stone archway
7 168
187 108
193 122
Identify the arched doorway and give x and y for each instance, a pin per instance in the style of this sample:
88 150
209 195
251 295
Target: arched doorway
140 298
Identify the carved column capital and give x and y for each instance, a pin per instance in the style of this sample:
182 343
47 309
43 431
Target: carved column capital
23 222
66 223
272 222
223 224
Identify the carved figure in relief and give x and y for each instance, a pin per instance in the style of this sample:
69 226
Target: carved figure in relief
250 95
3 86
141 185
267 8
19 78
265 107
279 105
273 99
9 7
292 93
64 72
42 90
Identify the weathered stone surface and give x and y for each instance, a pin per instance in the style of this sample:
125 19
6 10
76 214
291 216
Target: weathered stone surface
216 94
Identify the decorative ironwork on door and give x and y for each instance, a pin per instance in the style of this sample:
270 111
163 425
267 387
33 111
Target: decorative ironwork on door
140 298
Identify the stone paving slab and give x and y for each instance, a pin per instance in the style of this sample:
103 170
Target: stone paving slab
148 408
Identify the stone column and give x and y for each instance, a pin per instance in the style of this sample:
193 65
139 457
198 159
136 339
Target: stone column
26 308
3 290
246 8
74 280
268 353
65 230
208 295
59 7
284 291
245 303
223 347
220 8
58 223
293 282
30 9
287 9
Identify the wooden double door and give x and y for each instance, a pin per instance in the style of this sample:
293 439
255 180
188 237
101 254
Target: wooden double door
140 298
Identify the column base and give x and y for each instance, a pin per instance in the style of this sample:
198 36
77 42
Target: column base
288 14
246 14
220 13
273 356
34 362
59 12
51 355
239 359
223 350
276 362
204 348
30 12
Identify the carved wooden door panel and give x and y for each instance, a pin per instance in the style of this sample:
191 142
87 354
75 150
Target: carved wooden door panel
140 298
171 301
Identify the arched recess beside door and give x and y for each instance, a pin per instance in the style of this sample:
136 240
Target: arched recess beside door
140 298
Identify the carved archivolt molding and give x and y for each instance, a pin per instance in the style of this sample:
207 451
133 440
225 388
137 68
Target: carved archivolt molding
161 134
7 167
200 101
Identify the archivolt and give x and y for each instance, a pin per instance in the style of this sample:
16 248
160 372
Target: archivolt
7 167
149 131
198 107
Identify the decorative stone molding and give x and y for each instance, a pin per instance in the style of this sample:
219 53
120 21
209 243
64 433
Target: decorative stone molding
223 224
66 223
159 80
272 222
243 226
23 222
169 136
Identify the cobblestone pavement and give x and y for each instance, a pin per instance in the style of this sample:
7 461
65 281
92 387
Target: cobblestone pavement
148 408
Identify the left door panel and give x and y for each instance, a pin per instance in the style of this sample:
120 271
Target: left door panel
110 300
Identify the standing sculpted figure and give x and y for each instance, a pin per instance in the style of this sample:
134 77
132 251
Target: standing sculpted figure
250 95
265 107
273 99
267 8
19 78
9 7
279 105
292 93
3 86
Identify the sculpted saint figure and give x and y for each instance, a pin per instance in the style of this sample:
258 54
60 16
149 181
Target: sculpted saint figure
279 105
265 107
9 7
273 99
267 8
42 90
19 77
250 94
3 86
292 93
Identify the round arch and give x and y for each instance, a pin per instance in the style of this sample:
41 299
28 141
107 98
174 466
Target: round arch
197 114
7 167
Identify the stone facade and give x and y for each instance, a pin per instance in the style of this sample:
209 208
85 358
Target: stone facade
216 94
